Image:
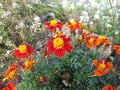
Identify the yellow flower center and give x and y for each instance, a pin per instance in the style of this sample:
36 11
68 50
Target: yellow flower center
28 64
42 79
22 48
91 40
102 37
80 39
58 43
101 67
53 23
13 74
58 33
73 23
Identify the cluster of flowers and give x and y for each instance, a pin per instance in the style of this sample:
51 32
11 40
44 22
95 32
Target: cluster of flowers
60 45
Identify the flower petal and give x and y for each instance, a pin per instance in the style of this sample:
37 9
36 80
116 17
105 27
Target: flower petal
109 65
97 73
95 63
59 53
50 51
68 47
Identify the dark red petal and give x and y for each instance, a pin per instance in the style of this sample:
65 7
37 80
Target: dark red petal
59 53
52 28
10 86
30 49
20 55
50 43
59 25
47 24
50 50
68 47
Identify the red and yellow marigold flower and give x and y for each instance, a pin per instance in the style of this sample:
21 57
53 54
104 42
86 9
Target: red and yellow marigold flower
91 41
59 45
53 24
103 40
11 73
109 87
102 66
10 86
43 79
23 51
74 25
117 49
29 63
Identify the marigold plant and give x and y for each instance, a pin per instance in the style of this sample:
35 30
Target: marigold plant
109 87
23 51
53 25
59 45
103 66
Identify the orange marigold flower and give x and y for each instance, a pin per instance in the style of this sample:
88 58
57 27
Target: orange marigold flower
117 49
53 24
59 45
10 86
43 80
109 87
29 63
74 25
103 40
11 73
102 66
23 51
91 41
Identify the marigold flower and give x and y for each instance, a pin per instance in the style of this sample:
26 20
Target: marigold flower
59 45
102 66
117 49
74 25
109 87
53 24
23 51
91 41
103 40
29 63
11 73
10 86
43 80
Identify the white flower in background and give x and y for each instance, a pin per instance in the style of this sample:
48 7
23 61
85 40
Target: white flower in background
91 24
86 6
64 3
37 19
94 4
72 20
15 5
79 4
1 6
101 8
1 22
84 19
66 31
5 14
98 11
8 52
30 6
72 6
117 32
21 24
108 25
96 17
84 13
1 39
